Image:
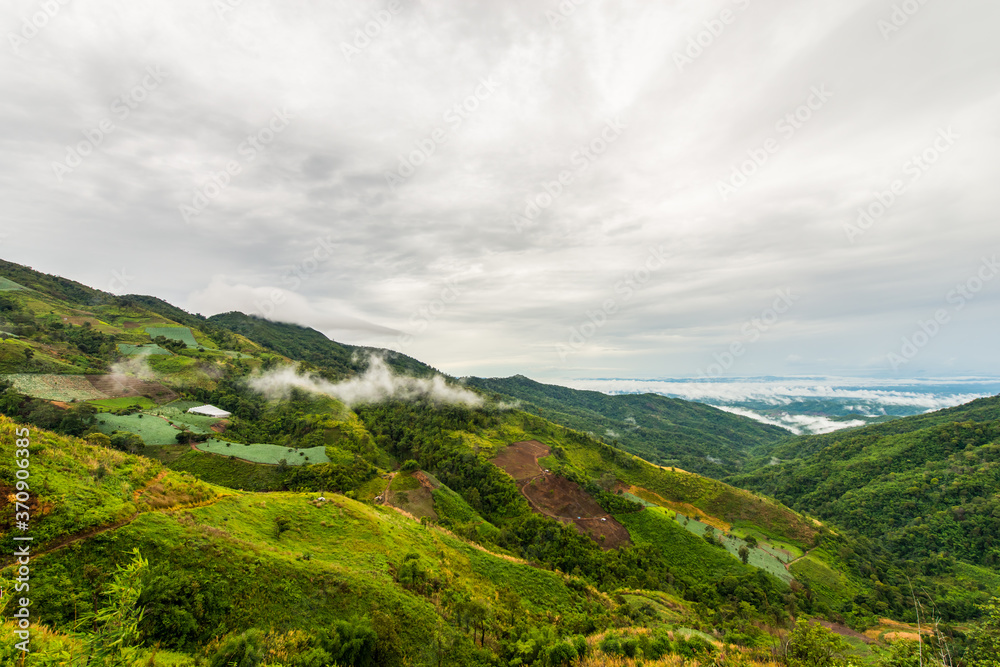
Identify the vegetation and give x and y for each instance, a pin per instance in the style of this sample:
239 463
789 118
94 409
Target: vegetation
665 431
402 541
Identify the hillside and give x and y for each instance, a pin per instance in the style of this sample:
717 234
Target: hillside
924 488
666 431
439 525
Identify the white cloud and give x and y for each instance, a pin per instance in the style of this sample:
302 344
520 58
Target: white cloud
324 176
378 383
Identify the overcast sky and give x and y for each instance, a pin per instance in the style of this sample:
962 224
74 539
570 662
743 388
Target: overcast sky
401 188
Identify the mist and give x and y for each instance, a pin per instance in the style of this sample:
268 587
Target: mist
378 383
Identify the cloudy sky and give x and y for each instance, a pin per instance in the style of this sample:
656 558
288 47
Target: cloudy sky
584 189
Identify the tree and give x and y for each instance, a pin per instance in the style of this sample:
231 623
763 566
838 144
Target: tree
985 637
744 554
812 645
751 541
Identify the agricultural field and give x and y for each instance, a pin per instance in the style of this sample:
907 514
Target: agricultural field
152 429
55 387
182 334
177 413
118 386
109 404
263 453
7 285
129 349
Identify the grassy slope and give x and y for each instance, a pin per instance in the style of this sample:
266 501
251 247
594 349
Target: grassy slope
76 486
336 559
664 430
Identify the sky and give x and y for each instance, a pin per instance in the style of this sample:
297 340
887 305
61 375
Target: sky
583 189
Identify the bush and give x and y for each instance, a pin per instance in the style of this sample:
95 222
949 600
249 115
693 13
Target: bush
242 650
410 465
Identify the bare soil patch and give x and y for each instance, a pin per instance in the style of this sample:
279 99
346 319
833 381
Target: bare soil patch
520 460
120 386
558 497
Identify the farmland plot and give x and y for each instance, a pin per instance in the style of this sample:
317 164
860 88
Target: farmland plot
152 429
182 334
55 387
261 453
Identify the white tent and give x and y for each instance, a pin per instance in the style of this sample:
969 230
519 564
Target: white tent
209 411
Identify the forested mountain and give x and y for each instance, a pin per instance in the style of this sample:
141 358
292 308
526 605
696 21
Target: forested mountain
442 524
927 486
667 431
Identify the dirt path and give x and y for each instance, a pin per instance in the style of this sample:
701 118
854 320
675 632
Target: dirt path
795 560
67 540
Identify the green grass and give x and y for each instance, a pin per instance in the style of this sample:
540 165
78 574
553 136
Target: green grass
231 473
80 485
264 453
14 359
692 555
182 334
829 585
108 404
152 429
404 482
129 349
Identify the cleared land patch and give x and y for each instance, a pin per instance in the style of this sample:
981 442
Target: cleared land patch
8 285
558 497
120 386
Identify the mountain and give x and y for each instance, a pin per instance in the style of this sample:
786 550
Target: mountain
927 487
430 522
666 431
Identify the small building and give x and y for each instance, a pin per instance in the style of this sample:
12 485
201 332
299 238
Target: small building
210 411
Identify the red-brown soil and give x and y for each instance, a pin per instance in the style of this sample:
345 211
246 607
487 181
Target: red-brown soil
558 497
119 386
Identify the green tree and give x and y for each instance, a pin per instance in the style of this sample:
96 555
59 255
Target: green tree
812 645
984 639
744 554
